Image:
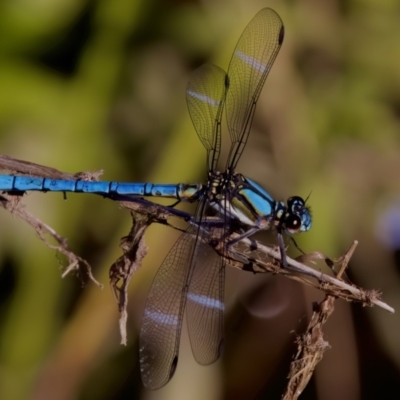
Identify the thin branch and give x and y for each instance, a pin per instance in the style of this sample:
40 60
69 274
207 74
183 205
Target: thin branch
122 270
311 344
22 167
14 205
246 254
303 273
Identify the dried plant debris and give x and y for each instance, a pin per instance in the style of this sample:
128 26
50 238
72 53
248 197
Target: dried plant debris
15 206
245 254
14 165
311 344
267 259
126 266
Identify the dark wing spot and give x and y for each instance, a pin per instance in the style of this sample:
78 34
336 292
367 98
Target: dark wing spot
173 367
227 81
281 35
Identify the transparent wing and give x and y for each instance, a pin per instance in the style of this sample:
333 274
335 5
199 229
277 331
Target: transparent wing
251 62
205 97
162 319
205 305
165 305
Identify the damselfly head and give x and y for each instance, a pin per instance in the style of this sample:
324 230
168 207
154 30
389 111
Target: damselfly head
298 215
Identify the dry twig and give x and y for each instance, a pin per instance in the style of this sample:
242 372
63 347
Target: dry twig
311 344
245 255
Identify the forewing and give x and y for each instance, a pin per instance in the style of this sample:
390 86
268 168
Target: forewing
251 62
162 319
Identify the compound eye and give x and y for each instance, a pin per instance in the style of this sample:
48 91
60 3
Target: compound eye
295 204
293 223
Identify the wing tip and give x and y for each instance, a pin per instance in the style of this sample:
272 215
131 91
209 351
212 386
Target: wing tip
152 384
281 35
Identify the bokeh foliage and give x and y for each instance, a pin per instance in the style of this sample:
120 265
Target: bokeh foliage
88 85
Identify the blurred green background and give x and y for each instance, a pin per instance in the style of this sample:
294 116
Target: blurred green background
88 85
